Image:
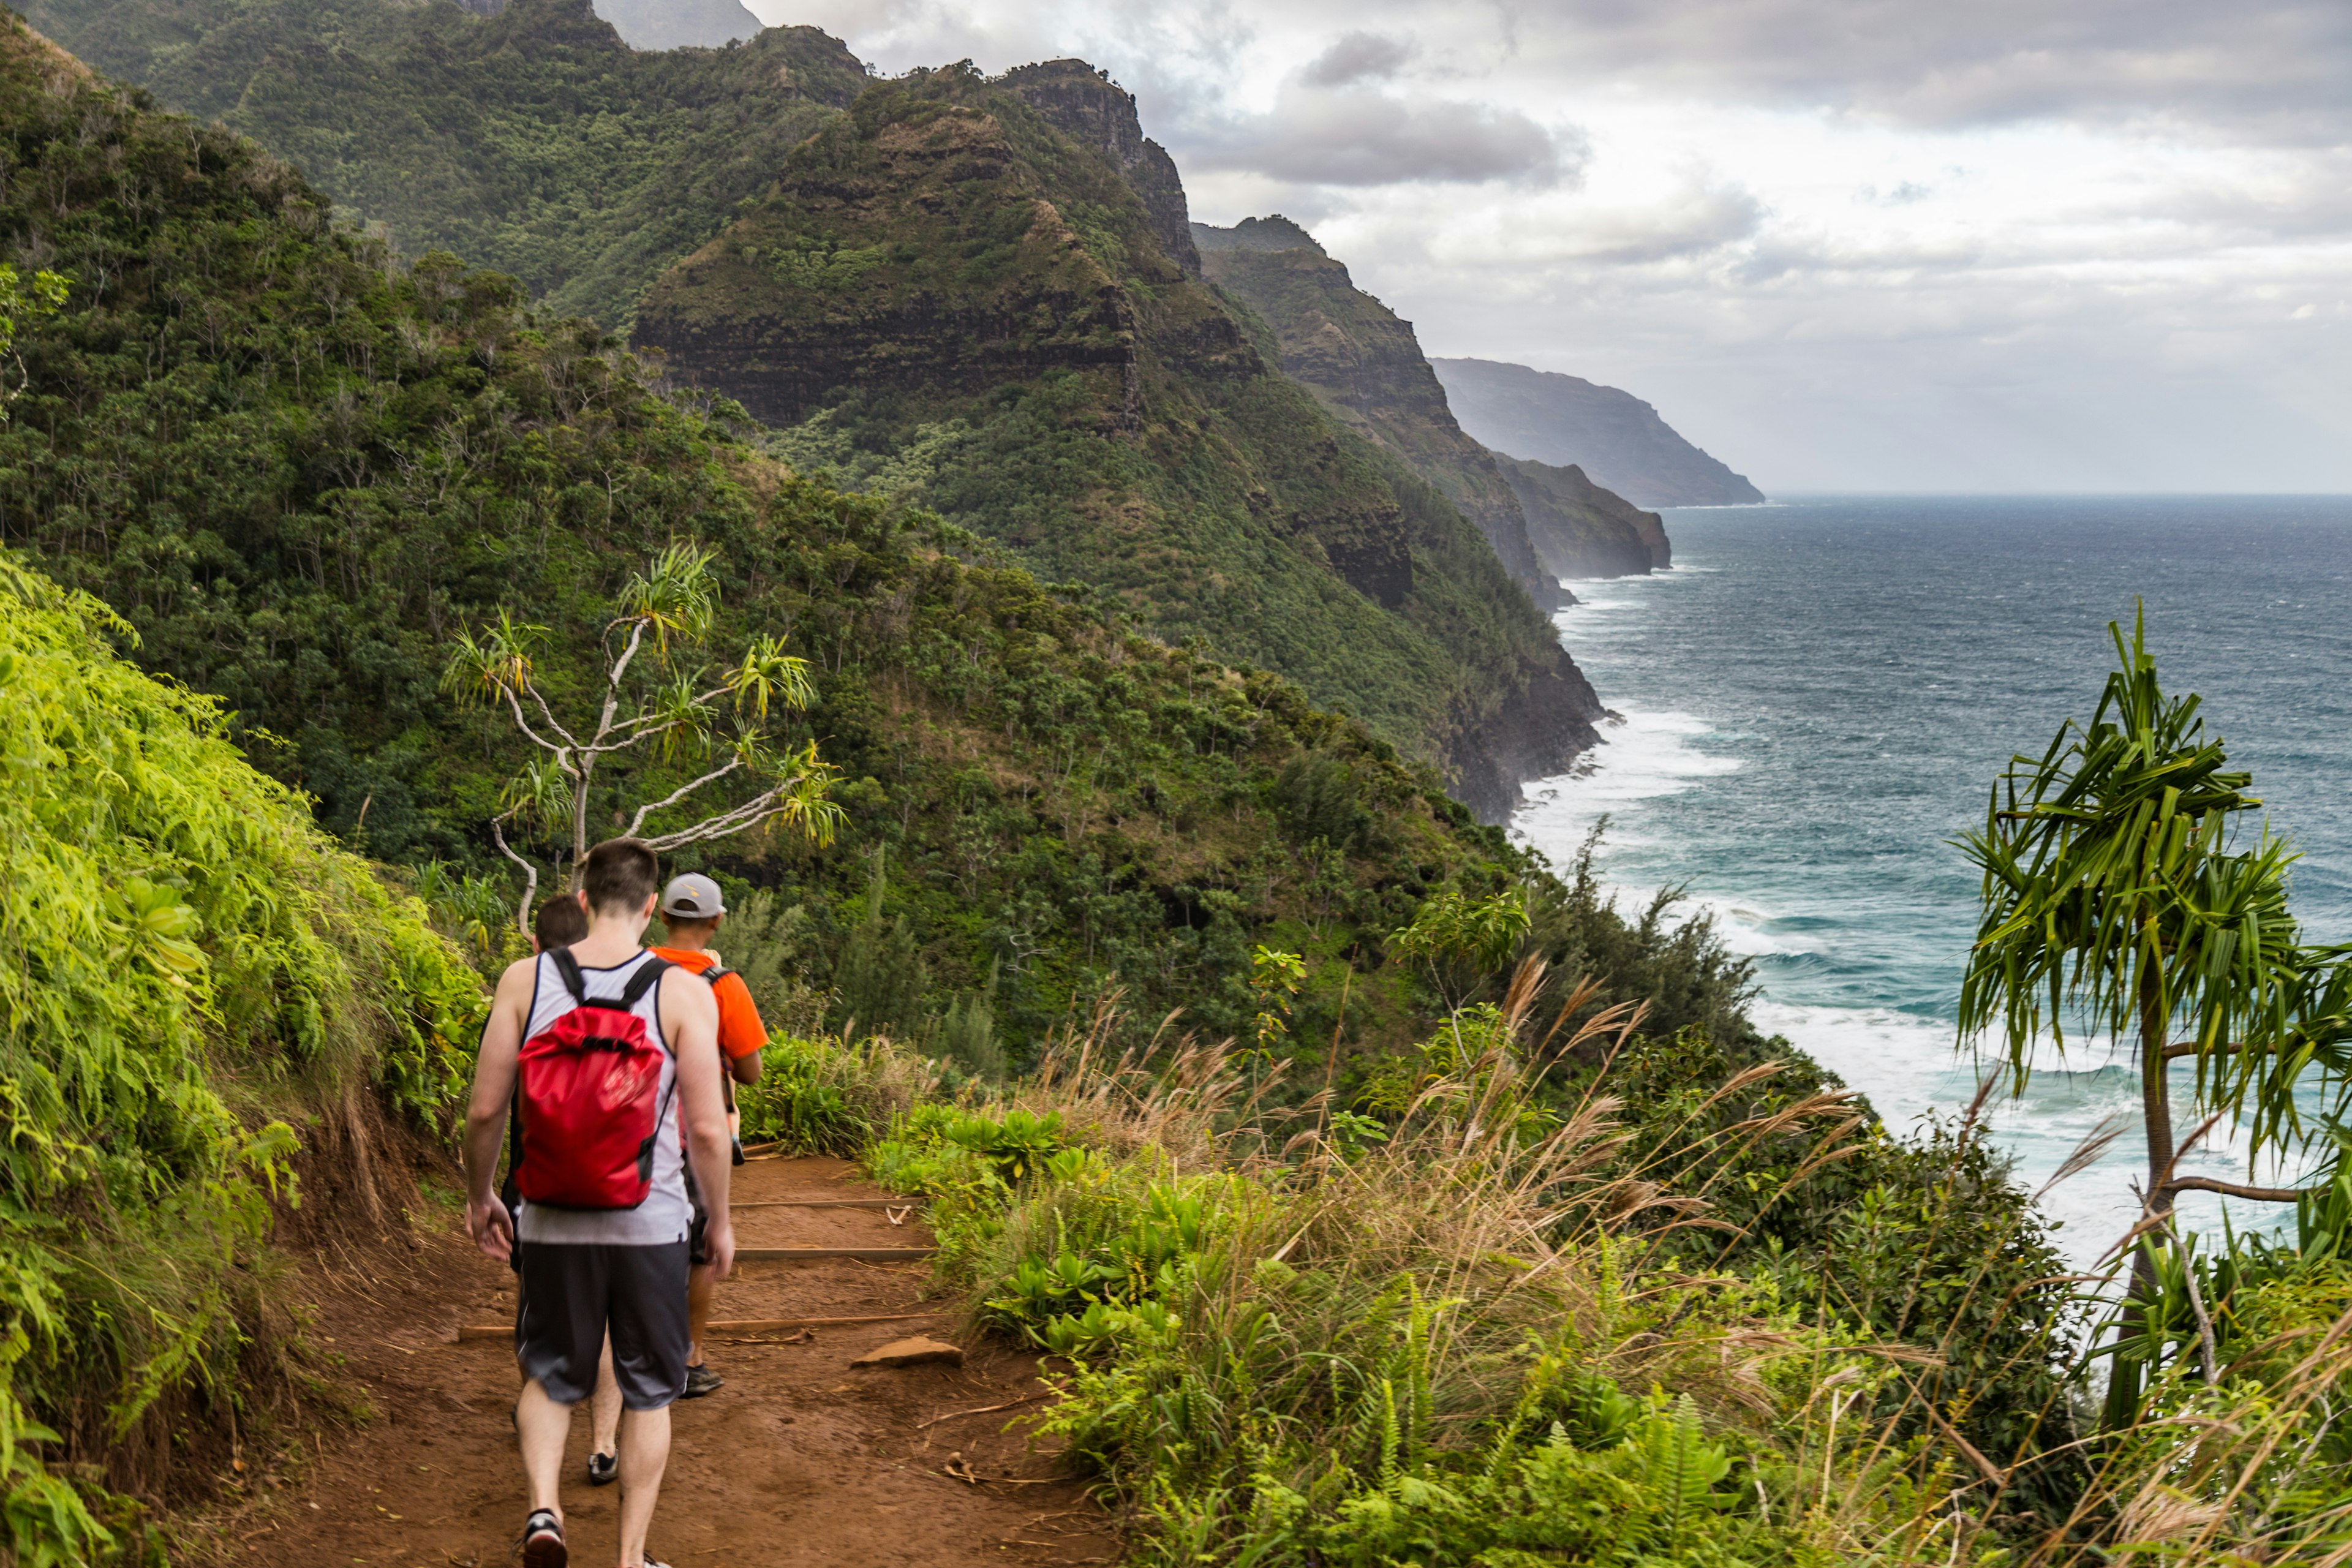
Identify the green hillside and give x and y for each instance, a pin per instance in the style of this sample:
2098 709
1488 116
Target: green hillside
300 470
949 300
534 141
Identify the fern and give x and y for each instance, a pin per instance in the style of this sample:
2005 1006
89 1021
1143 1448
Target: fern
1679 1471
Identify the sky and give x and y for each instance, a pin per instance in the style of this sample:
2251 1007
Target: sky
1858 244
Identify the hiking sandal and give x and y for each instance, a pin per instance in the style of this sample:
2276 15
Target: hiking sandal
542 1540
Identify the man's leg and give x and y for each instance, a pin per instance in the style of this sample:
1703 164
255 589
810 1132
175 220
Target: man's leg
604 1410
560 1315
699 1291
645 1454
649 1340
544 1426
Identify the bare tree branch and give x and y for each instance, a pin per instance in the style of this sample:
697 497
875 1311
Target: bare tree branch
530 877
2232 1189
528 732
681 793
750 813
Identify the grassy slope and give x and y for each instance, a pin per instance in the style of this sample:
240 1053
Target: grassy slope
954 302
299 469
535 141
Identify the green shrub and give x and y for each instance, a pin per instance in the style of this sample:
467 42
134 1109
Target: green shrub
826 1097
189 967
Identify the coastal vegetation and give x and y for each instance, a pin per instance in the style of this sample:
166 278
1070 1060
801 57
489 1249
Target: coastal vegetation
1376 1191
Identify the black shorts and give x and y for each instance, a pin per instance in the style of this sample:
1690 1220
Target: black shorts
571 1293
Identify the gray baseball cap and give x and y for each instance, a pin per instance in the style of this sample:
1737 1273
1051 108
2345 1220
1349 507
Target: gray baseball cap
692 897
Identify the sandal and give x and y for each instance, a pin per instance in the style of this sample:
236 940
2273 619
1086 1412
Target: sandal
542 1540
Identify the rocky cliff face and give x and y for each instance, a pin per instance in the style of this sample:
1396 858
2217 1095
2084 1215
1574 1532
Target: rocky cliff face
1084 104
1364 364
969 292
1613 436
1583 531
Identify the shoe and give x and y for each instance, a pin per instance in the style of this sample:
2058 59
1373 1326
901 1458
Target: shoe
604 1469
738 1150
542 1540
701 1380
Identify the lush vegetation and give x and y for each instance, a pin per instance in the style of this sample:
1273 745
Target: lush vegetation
301 470
192 973
533 141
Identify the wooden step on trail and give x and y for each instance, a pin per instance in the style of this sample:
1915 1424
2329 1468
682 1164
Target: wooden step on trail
471 1331
829 1203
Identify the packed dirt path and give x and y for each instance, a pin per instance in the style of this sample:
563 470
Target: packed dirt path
800 1461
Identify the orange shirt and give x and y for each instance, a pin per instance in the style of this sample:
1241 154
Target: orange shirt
740 1030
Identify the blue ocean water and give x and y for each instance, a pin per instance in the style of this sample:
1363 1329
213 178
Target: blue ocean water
1819 694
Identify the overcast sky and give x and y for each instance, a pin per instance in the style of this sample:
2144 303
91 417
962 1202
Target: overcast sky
2007 244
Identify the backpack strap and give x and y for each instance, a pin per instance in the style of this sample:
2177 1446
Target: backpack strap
715 973
643 981
568 967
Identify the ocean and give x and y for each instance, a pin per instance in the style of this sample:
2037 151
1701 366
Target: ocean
1818 697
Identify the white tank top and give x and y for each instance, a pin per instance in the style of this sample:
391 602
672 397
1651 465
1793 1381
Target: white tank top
664 1215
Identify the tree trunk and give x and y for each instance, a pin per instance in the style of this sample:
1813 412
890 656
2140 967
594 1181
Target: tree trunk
2155 1113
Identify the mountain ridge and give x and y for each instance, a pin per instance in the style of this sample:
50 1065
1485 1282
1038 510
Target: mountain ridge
1620 442
1363 363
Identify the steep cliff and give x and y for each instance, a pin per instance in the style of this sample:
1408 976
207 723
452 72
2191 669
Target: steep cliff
959 293
1583 531
1084 104
1615 437
1364 365
533 141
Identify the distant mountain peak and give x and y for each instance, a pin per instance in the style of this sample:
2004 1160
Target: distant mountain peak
1273 232
679 24
1618 440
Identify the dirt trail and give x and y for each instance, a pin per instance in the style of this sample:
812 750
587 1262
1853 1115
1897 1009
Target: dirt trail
800 1460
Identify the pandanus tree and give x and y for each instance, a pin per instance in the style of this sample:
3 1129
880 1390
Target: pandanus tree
692 738
2120 899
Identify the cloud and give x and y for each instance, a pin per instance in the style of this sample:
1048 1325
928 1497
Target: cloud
1842 243
1355 135
1355 57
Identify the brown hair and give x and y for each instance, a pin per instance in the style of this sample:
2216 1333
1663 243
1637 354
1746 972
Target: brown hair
560 922
619 876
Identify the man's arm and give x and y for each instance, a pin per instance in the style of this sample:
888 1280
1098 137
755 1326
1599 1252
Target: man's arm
690 1017
486 1220
740 1033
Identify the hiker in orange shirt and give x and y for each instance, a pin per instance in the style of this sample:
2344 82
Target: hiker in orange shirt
692 908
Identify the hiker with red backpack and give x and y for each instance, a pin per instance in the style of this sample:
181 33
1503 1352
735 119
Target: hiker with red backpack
604 1060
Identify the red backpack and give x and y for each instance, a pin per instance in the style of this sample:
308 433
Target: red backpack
588 1098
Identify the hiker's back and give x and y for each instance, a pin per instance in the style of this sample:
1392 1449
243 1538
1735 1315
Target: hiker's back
585 1090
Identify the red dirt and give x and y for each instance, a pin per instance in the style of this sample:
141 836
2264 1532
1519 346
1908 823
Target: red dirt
799 1461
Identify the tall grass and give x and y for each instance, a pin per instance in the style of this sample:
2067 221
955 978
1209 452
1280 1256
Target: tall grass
1460 1333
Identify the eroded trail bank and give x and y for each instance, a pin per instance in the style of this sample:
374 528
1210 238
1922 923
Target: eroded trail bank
800 1460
